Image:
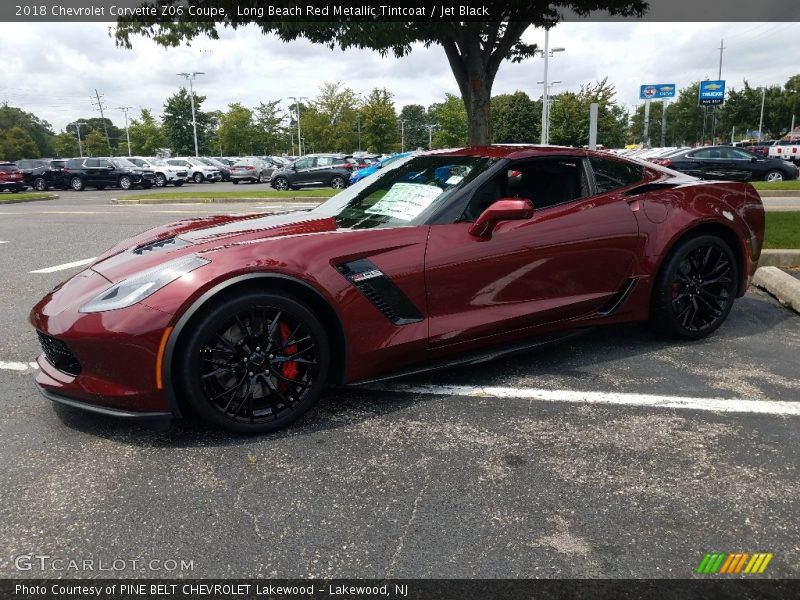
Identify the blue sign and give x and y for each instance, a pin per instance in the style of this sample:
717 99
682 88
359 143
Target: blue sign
656 91
712 92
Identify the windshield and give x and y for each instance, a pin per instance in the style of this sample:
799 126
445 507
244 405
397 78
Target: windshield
205 161
403 193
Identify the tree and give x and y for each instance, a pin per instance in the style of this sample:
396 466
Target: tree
94 144
792 90
415 122
569 116
36 129
451 119
147 135
177 120
269 134
475 50
98 124
330 123
515 118
636 131
17 144
379 121
65 145
236 131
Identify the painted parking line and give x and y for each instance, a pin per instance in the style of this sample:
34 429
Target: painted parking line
17 366
724 405
77 263
3 242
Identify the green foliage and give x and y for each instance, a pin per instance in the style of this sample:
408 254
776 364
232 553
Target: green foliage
415 121
569 116
65 145
379 125
330 123
270 136
515 119
95 144
35 129
177 123
147 135
451 119
17 143
235 133
115 134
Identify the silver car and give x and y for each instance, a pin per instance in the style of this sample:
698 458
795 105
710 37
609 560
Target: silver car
251 169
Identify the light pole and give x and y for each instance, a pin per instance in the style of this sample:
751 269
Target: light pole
761 118
80 146
402 135
297 100
125 109
547 53
546 114
430 129
191 77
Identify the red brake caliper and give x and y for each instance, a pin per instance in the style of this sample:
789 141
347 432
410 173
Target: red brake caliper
288 369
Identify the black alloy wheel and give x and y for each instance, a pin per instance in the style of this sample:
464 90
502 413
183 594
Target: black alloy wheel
696 287
255 363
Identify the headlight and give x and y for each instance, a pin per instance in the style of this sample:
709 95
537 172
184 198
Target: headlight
140 286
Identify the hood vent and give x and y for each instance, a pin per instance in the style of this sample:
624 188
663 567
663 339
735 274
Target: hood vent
171 243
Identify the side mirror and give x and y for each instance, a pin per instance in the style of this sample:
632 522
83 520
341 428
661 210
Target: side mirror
504 209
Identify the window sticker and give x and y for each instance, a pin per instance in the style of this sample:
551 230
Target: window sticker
454 180
404 201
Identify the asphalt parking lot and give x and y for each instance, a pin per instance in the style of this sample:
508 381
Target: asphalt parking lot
564 462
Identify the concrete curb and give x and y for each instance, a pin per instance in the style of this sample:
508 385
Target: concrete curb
781 285
21 200
779 258
201 200
779 193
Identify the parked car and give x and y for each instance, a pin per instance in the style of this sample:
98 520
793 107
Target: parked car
245 320
163 173
251 169
11 178
786 148
224 168
198 170
319 170
44 173
729 163
373 168
101 173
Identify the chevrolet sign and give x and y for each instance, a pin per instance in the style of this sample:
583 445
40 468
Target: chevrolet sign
656 91
712 92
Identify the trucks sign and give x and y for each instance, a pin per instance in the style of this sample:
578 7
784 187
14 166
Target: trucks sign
712 92
656 91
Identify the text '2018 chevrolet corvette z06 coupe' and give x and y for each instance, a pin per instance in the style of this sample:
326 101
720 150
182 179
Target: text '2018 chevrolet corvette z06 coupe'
439 258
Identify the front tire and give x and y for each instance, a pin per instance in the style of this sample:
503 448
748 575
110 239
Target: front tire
281 183
161 180
695 288
254 363
39 184
198 177
338 183
125 182
773 175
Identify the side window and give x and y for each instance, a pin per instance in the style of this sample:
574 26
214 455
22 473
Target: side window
104 164
92 163
303 163
546 182
612 174
324 161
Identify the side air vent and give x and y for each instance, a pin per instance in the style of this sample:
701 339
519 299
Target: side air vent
381 291
619 298
171 243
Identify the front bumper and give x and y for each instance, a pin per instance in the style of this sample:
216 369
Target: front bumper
117 351
101 410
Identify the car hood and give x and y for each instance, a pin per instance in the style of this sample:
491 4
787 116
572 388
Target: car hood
204 235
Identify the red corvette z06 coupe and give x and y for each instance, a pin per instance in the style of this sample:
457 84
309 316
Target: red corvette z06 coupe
442 258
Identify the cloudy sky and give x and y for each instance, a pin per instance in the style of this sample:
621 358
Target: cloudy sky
52 69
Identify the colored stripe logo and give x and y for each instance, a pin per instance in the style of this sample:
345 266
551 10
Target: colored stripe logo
724 563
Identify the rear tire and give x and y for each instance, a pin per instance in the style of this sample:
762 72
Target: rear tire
198 177
161 180
39 184
235 369
178 182
338 183
76 183
773 175
281 183
125 182
235 181
695 288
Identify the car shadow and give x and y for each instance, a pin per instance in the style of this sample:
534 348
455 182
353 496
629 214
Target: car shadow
755 314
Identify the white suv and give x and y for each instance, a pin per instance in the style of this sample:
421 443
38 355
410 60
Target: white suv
198 172
164 173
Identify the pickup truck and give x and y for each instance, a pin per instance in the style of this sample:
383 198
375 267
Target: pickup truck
787 148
